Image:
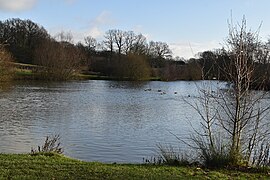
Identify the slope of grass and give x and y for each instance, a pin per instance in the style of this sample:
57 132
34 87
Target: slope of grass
53 166
25 72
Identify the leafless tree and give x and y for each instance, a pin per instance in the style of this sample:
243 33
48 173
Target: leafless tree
246 121
91 43
139 45
64 37
109 41
125 42
238 113
129 39
57 60
21 37
159 49
119 39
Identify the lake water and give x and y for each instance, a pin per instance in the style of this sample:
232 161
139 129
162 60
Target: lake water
107 121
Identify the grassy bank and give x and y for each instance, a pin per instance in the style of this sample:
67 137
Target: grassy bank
55 166
100 77
29 75
25 72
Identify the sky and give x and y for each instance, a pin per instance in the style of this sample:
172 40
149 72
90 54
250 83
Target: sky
188 26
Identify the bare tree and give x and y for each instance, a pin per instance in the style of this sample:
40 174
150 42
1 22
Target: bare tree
21 38
248 114
159 49
64 37
129 38
139 45
129 42
109 41
238 113
91 43
119 39
58 61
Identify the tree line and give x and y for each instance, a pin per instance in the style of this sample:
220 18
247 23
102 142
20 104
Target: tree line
122 55
30 43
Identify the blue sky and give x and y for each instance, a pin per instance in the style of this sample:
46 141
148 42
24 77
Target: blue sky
188 26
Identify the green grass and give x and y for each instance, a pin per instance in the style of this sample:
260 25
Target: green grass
23 75
100 77
92 77
53 166
24 72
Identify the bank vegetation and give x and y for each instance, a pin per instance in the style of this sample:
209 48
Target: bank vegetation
60 58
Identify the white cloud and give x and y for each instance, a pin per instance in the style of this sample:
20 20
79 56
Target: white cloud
95 27
95 32
191 49
22 5
16 5
79 36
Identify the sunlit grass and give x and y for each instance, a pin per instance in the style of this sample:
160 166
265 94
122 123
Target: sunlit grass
54 166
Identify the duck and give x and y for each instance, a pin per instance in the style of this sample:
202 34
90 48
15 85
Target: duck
149 89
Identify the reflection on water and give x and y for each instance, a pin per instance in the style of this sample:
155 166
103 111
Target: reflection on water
106 121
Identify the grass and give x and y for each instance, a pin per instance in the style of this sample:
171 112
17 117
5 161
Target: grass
26 73
54 166
23 74
101 77
92 77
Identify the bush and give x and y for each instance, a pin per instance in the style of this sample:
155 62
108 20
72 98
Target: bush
51 145
214 158
211 155
167 155
194 71
6 67
132 67
57 60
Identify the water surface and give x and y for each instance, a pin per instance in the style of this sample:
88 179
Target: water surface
105 121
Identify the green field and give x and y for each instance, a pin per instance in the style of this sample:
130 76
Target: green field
53 166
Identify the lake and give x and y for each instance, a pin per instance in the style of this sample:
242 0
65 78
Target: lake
107 121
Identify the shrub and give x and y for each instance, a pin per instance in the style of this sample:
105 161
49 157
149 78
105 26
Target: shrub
167 155
6 66
51 145
57 60
215 155
132 67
